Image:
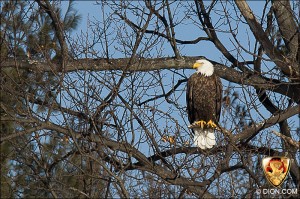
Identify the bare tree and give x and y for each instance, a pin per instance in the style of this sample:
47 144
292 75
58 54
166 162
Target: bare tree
103 113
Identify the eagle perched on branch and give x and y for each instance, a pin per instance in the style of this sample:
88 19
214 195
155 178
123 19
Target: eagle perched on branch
203 97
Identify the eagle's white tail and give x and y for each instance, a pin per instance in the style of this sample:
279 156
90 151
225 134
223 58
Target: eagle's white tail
204 138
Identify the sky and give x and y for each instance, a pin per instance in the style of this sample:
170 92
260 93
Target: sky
89 10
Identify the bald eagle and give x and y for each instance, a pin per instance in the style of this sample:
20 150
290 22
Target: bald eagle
203 97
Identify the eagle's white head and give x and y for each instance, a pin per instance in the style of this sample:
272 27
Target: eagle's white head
204 67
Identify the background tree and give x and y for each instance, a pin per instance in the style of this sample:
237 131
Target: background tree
103 113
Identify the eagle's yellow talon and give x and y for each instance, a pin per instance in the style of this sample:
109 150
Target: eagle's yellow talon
200 123
211 124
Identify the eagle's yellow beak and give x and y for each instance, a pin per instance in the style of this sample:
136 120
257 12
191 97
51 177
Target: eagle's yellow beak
196 65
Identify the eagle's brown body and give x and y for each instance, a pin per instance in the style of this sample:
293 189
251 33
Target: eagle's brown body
204 95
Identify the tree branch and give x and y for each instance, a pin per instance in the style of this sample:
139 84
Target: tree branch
287 139
291 90
155 32
281 61
288 27
59 31
254 129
